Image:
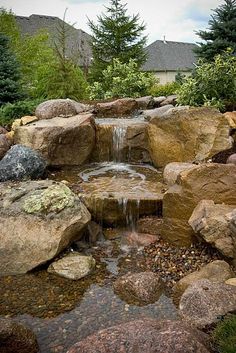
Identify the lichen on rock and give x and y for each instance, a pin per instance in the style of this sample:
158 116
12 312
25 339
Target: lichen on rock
54 199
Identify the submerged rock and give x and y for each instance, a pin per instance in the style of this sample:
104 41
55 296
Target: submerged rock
20 163
38 220
61 141
204 303
179 136
139 288
16 338
146 335
73 266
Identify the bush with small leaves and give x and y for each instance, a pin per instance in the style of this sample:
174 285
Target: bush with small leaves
224 335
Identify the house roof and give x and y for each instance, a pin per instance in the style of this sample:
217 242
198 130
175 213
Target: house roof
78 40
169 56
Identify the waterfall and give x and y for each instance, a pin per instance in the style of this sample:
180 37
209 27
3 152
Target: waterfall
119 132
131 212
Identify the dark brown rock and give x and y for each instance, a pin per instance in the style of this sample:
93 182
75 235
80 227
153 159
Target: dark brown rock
16 338
141 288
119 107
134 239
5 144
145 336
2 130
204 303
169 100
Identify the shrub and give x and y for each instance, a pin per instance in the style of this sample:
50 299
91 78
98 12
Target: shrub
224 335
164 90
213 84
12 111
122 80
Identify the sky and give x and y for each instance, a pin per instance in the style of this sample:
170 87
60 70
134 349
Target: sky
177 20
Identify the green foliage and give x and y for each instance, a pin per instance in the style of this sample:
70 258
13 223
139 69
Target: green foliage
9 27
122 80
116 35
224 335
221 34
62 78
10 89
213 84
168 89
12 111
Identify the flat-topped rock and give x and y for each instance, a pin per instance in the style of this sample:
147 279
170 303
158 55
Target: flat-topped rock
117 108
61 141
121 140
63 108
113 199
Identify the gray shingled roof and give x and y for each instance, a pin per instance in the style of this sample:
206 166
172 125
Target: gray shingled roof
78 39
169 56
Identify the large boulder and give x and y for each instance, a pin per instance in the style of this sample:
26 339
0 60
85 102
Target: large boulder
16 338
204 302
215 182
186 134
140 288
61 141
5 144
211 223
146 335
73 266
63 108
20 163
117 108
38 220
217 271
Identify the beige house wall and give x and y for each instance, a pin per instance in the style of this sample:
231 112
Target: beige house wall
168 76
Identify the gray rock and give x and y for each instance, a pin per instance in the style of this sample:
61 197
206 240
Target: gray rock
143 287
158 100
38 220
231 159
73 266
21 162
63 108
145 336
150 114
16 338
145 102
204 303
169 100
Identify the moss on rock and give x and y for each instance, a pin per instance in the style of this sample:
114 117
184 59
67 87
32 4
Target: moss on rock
54 199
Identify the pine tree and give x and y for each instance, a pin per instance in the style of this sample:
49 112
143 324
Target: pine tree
221 34
10 90
116 36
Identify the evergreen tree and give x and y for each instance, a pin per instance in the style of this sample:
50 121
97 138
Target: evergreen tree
10 90
221 34
116 36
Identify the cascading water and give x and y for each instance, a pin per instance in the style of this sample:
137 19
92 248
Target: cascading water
119 132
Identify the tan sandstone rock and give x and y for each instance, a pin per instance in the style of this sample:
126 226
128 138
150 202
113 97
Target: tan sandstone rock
231 281
211 181
38 220
231 118
172 171
211 222
61 141
187 134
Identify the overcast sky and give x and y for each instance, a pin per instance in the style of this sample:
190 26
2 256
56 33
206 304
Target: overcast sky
176 19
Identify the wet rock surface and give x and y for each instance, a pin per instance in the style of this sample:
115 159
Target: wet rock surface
204 303
38 220
73 266
145 335
20 163
142 288
16 338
